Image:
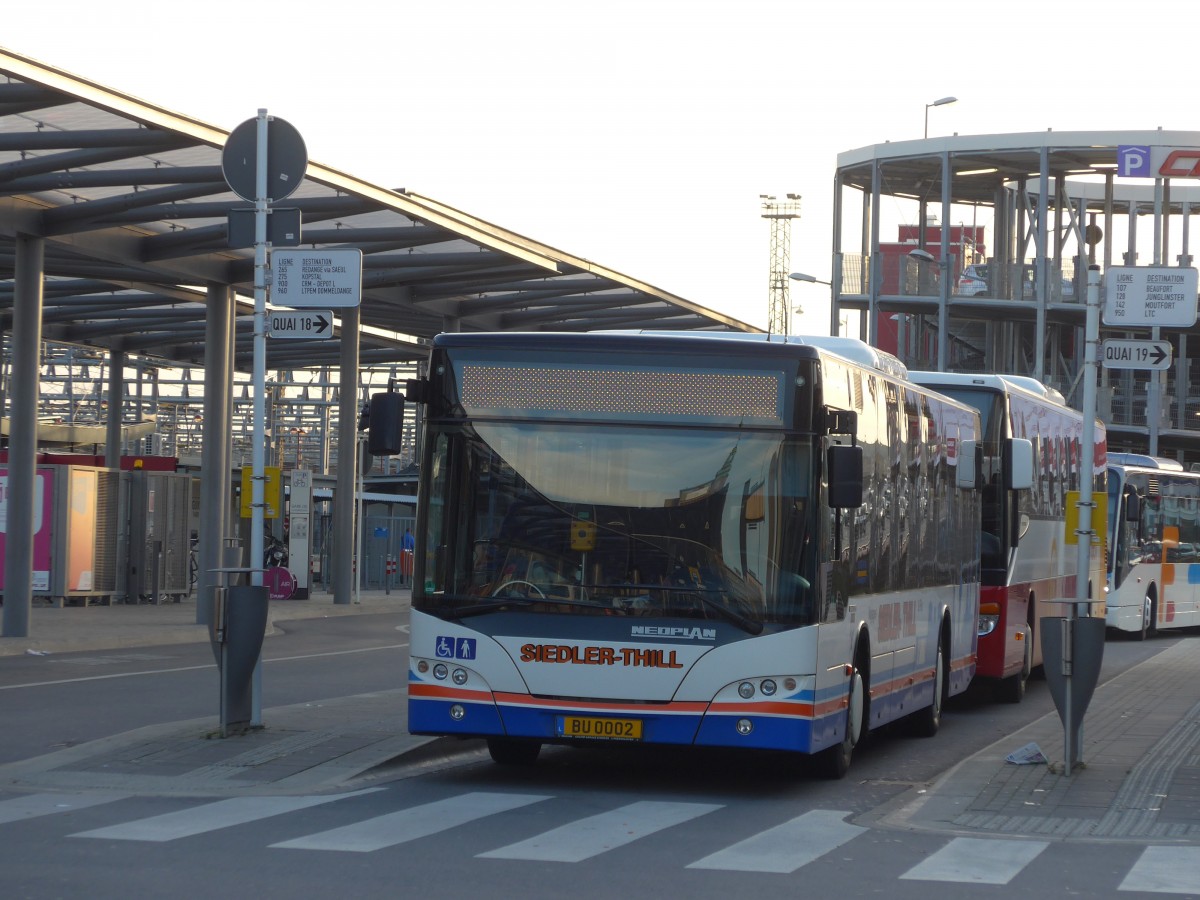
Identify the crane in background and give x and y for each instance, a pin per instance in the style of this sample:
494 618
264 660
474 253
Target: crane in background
780 214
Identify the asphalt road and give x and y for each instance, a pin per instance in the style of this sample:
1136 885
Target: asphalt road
636 822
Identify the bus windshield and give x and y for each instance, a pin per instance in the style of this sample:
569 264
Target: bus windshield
637 521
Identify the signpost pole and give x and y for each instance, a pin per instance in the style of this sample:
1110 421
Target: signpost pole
258 455
359 564
258 174
1087 477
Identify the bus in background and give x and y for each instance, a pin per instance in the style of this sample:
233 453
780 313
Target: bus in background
1027 564
688 538
1153 544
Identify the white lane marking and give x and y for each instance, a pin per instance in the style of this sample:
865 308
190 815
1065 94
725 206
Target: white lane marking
210 817
34 805
409 824
785 848
1165 870
33 684
596 834
977 861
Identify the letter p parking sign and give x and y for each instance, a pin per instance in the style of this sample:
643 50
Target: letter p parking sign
1133 161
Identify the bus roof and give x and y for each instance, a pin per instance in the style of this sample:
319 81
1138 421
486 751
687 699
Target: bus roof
995 382
1144 461
850 349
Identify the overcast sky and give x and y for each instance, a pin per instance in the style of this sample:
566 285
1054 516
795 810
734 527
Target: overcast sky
635 134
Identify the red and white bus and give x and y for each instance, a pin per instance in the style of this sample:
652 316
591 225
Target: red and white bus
689 539
1029 561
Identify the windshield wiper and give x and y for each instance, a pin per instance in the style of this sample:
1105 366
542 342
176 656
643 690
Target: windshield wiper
490 604
748 625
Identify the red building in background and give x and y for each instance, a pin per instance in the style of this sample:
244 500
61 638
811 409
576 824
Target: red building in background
906 274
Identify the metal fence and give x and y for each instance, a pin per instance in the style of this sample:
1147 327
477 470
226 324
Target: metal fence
385 564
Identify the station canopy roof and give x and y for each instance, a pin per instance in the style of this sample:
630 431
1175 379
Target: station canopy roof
132 203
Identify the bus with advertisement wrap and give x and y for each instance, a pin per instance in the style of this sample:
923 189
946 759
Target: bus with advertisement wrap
1028 556
690 539
1153 545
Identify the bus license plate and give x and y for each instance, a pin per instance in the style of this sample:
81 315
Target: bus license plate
602 728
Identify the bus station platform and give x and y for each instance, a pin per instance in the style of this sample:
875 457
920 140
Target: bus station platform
1139 780
306 748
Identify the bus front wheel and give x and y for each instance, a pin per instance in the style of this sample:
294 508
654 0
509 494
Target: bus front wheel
834 761
1149 612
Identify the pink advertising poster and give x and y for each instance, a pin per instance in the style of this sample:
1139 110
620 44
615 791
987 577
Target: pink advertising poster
43 518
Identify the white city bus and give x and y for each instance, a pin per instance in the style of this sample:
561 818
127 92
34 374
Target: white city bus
690 539
1029 560
1154 545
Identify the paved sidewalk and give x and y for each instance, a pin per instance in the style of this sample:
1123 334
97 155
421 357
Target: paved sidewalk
305 748
1140 777
64 629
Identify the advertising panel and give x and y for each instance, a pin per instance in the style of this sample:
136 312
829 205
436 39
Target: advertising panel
43 491
82 526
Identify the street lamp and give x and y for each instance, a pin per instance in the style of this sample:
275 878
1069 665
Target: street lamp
942 102
811 279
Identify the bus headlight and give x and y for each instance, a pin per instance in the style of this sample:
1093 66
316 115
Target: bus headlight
745 690
440 671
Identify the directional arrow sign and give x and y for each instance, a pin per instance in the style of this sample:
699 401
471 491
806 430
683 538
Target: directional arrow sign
1123 354
308 324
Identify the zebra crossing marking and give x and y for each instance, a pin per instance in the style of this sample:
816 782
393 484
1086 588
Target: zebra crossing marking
787 847
409 824
1165 870
35 805
211 817
600 833
977 861
782 849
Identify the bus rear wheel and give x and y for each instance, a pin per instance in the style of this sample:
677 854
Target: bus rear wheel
513 751
1012 688
927 721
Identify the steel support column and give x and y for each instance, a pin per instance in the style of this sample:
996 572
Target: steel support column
835 281
343 495
1042 284
215 473
28 278
876 277
943 351
116 409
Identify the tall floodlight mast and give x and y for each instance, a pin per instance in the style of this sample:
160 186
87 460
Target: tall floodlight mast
780 214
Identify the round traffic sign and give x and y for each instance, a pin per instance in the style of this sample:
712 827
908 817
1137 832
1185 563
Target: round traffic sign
280 583
287 158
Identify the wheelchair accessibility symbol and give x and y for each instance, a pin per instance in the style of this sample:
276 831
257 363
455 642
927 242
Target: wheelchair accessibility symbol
455 648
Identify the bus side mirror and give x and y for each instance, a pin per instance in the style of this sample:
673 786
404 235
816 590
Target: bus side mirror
845 466
385 424
1133 507
969 466
1018 465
